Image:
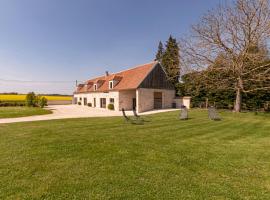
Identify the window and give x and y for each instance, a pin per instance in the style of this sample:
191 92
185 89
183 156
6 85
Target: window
95 87
111 84
112 100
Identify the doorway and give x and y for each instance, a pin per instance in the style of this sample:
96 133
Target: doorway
103 102
84 101
157 100
134 103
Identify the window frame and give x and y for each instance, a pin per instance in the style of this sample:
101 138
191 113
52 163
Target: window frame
95 87
111 102
110 85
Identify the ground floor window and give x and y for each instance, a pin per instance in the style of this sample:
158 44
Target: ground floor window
85 101
111 100
94 102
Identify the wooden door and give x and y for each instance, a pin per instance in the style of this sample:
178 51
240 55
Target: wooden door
157 100
103 102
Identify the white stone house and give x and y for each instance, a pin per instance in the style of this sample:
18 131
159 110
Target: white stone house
143 88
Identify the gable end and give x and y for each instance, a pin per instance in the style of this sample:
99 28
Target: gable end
157 79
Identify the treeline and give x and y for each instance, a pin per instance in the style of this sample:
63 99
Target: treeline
225 59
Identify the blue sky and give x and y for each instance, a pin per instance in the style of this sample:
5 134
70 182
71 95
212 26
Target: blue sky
68 40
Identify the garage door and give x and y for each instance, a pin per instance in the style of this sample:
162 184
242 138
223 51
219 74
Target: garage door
157 100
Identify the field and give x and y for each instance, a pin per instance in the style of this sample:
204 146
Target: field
106 158
21 97
10 112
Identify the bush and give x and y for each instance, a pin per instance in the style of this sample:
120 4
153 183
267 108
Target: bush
89 104
11 103
79 103
110 106
42 102
31 99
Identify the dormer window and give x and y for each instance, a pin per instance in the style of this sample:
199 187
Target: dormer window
95 87
110 84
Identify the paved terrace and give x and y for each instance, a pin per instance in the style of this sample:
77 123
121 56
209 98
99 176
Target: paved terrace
75 111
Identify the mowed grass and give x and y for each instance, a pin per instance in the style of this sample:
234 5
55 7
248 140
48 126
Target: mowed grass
21 97
105 158
11 112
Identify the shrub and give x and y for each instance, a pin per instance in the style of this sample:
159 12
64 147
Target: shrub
31 99
11 103
110 106
89 104
79 103
42 102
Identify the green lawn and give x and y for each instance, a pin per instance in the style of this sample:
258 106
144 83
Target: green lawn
105 158
10 112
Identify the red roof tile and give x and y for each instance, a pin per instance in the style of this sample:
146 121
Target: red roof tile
128 79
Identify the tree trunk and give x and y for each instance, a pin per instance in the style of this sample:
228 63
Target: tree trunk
238 100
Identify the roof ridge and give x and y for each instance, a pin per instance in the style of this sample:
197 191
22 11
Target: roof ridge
134 67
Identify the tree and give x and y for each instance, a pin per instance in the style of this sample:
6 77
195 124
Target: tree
171 60
31 99
159 52
42 102
233 30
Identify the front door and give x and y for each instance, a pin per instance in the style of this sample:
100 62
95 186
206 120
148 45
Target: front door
157 100
103 102
134 103
85 101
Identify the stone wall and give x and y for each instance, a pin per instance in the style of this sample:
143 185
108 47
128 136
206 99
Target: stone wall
126 99
145 98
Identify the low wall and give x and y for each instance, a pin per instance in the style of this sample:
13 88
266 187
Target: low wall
62 102
182 101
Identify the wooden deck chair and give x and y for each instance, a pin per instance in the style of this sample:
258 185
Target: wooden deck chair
131 120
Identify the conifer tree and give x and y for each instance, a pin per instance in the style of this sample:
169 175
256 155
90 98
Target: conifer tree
171 60
159 52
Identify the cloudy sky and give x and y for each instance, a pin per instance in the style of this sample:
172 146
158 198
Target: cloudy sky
46 45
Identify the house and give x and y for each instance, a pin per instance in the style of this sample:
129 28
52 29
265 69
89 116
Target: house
143 88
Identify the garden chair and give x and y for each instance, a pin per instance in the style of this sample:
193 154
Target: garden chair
213 114
138 117
131 120
184 114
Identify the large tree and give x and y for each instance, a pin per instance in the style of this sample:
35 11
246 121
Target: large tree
160 52
171 60
233 31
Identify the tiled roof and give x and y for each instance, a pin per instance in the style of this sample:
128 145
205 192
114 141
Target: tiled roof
125 80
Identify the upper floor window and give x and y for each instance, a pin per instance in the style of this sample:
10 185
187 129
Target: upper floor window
111 84
95 87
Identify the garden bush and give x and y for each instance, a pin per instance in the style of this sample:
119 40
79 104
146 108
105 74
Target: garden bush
89 104
79 103
110 106
42 102
11 103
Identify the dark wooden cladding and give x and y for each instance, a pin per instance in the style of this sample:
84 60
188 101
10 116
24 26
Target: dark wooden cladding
157 79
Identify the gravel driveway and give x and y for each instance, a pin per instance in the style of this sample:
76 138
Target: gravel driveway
74 111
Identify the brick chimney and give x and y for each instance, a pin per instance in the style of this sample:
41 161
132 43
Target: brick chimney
106 73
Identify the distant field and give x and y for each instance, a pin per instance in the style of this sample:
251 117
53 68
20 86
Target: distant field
21 97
